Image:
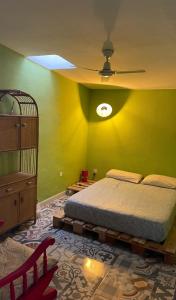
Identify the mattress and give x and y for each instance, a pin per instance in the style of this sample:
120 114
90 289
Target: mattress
141 210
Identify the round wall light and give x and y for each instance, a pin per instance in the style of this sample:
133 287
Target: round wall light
104 110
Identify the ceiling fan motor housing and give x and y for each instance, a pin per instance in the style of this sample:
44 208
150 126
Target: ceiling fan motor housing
106 71
107 52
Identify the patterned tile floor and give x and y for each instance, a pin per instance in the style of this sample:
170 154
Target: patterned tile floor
89 269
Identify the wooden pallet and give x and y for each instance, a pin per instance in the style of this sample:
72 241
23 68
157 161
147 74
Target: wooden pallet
77 187
138 246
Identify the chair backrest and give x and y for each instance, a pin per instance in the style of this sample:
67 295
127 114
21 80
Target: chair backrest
39 283
1 222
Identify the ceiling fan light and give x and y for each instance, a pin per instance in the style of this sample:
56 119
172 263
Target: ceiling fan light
105 73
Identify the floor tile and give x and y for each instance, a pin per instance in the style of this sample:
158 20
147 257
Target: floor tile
79 277
84 246
118 284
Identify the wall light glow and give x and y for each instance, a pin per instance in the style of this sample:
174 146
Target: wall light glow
104 110
52 62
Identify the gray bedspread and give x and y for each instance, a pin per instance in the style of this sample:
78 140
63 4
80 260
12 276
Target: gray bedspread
140 210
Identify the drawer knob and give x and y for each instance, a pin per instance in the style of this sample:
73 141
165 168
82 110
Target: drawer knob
24 124
9 190
29 182
17 125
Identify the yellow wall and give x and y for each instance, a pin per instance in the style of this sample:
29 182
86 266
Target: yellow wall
139 137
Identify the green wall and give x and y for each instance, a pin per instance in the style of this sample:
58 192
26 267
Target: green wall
63 108
139 137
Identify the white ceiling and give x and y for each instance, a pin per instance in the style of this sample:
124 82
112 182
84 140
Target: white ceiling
143 33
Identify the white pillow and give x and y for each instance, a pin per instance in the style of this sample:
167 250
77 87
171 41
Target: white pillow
160 180
125 176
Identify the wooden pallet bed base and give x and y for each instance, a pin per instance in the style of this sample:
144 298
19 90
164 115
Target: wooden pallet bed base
138 245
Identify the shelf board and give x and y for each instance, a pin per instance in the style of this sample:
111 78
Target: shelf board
17 115
14 177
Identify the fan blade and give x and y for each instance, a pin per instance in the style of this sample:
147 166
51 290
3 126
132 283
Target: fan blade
89 69
129 72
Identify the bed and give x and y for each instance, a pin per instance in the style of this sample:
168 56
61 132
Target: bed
141 210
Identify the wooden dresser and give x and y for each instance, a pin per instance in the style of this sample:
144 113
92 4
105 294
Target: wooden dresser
18 138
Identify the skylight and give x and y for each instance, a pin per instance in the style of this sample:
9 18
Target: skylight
52 62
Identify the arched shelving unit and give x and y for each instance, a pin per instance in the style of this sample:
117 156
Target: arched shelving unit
19 131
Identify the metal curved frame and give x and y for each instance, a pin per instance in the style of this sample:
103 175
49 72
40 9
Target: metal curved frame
27 107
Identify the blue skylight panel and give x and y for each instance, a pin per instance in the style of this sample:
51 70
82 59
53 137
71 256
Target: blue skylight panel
52 62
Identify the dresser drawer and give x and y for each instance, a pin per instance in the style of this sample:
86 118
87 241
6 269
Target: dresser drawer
17 187
31 182
8 190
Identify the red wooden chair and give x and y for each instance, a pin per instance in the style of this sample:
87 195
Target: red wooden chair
39 289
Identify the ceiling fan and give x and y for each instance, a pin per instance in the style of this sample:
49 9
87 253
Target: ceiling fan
106 71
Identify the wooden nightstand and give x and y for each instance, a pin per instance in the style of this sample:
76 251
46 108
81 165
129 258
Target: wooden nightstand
78 186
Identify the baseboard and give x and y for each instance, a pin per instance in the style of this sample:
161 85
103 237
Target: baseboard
50 199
